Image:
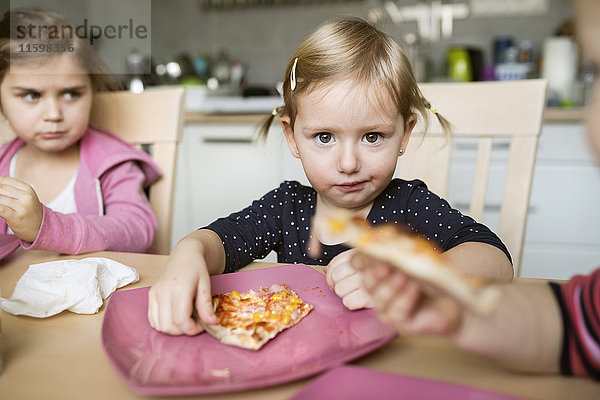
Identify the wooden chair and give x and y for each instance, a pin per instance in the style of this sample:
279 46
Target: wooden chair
154 117
483 110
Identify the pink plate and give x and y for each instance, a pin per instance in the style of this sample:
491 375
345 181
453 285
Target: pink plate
154 363
355 383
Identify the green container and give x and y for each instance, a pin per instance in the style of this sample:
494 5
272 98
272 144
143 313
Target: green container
459 65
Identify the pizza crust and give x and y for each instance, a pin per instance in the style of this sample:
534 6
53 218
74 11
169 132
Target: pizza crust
237 337
414 255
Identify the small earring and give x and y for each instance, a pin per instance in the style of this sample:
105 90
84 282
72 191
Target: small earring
297 152
401 151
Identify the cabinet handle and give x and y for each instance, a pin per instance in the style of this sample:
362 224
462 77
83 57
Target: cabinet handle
227 140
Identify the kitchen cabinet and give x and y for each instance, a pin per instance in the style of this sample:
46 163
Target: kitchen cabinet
222 168
561 237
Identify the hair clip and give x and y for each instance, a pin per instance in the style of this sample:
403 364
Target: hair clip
274 112
293 75
433 110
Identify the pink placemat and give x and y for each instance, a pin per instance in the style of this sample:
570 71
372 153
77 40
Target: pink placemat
356 383
154 363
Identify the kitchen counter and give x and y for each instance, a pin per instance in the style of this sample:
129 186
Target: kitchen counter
557 114
553 114
196 117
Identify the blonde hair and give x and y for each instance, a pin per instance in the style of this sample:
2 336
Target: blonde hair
351 48
12 43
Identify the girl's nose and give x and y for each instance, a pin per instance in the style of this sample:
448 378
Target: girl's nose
348 160
53 111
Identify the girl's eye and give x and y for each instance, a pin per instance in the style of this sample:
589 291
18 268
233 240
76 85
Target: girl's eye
72 95
31 96
324 137
372 137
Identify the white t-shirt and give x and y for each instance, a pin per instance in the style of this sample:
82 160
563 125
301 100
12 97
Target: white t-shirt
63 203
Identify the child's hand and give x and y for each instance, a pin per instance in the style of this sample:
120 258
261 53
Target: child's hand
20 207
401 303
184 284
346 281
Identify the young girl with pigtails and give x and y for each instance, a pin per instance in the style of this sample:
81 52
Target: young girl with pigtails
65 186
350 104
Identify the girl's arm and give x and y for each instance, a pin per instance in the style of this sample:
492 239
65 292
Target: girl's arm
481 259
128 223
185 284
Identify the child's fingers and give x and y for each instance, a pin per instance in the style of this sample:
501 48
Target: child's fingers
7 207
153 311
357 299
10 191
204 305
177 318
339 268
9 182
185 323
348 284
170 313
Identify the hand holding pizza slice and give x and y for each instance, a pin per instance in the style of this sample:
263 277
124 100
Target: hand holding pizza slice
413 255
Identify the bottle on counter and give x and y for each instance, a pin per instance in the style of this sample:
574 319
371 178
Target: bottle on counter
559 67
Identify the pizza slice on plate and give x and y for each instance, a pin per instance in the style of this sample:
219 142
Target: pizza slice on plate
414 255
251 319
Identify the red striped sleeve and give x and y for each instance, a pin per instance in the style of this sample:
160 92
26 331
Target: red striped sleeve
579 300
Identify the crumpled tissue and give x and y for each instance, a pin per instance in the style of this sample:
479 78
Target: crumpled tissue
79 286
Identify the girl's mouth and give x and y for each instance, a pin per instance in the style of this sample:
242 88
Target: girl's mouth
51 135
352 186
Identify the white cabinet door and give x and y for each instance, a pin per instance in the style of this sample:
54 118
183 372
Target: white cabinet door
562 229
222 168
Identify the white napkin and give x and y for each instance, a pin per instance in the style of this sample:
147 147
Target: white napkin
80 286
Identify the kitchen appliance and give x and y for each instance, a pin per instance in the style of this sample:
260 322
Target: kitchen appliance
559 67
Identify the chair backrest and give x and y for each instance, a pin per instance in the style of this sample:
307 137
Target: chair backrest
483 110
154 117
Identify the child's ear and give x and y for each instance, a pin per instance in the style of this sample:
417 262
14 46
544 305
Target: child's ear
288 131
409 126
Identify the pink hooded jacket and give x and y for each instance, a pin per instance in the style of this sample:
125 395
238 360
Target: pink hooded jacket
113 212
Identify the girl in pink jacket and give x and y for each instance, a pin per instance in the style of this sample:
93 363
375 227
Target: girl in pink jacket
64 186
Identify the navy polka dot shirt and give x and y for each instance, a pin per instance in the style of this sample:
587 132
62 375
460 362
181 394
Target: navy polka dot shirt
280 221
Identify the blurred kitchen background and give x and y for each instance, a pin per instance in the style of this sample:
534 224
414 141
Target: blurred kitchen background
233 47
246 44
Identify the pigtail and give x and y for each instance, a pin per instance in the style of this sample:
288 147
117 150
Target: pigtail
446 125
263 127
